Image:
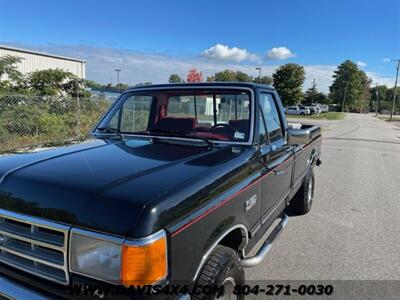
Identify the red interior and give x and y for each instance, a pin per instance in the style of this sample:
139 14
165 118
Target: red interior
162 122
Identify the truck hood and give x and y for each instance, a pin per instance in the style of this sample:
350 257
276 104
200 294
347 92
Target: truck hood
100 185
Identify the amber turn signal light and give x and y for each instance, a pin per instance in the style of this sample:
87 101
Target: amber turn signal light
144 264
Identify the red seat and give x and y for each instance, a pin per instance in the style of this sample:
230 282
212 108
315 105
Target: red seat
175 124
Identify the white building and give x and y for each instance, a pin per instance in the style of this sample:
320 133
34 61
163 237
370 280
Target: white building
37 61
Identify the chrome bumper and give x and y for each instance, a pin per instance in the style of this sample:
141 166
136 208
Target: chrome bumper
14 291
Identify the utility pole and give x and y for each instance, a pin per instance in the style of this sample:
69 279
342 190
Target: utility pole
345 95
259 74
314 85
377 100
117 70
395 88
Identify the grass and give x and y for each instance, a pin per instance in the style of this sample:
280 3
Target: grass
322 116
387 118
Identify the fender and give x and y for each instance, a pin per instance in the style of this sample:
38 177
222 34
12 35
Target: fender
217 241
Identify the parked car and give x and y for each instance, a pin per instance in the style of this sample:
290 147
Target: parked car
296 110
313 108
306 109
179 183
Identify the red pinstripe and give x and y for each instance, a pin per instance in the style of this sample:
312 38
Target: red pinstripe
223 202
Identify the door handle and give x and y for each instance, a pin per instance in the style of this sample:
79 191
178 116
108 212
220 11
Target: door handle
277 173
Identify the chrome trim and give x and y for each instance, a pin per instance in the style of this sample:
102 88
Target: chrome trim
32 220
13 291
118 241
188 87
28 240
96 235
34 223
207 254
263 251
146 240
33 258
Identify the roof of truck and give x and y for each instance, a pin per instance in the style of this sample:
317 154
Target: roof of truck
205 84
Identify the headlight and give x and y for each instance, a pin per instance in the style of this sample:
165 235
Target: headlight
119 261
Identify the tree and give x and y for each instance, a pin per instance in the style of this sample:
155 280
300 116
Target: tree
264 80
75 87
14 80
230 75
288 81
93 85
312 95
194 76
174 78
55 82
349 86
143 83
226 75
243 77
8 67
379 93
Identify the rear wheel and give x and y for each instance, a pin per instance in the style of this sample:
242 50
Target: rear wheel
302 201
223 268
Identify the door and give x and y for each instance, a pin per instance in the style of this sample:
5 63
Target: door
276 156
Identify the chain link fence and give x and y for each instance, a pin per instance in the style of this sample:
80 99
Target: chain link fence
35 120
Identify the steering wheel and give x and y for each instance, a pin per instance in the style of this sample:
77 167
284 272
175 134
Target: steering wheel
223 125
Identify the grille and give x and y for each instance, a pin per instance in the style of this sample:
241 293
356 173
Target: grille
35 246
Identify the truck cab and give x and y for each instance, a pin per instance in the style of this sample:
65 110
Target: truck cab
177 185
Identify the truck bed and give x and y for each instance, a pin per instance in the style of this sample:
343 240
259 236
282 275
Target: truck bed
302 134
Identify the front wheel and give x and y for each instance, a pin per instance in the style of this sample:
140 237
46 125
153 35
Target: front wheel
302 201
223 269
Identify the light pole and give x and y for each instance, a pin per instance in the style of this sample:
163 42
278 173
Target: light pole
117 70
377 100
314 86
259 74
395 88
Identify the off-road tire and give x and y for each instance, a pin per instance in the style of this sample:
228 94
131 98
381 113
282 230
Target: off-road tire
223 264
303 200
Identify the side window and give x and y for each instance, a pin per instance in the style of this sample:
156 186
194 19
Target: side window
262 131
135 113
271 117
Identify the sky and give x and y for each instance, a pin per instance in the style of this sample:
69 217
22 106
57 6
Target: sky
150 39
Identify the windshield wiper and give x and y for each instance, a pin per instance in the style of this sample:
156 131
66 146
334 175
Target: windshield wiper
176 134
112 130
195 136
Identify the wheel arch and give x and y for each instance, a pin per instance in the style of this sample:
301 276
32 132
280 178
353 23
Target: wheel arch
236 237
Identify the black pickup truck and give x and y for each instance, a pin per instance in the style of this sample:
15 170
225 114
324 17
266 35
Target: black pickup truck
177 186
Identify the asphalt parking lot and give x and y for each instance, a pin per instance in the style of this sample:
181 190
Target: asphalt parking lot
353 230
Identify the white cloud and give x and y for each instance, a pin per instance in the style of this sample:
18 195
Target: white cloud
141 67
361 64
380 79
279 53
386 60
223 52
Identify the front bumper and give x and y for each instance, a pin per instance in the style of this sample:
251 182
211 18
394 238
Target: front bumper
12 290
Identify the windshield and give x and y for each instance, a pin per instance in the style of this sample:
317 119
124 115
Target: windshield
220 115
